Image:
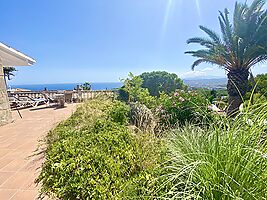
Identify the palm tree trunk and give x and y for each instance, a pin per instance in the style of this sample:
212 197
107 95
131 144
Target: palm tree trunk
237 87
5 80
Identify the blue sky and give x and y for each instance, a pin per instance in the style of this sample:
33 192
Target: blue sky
103 40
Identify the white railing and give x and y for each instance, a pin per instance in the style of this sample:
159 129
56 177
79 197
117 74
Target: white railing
76 95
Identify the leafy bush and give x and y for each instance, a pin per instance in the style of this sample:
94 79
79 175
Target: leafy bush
93 155
119 113
182 107
261 84
133 90
226 160
168 110
122 94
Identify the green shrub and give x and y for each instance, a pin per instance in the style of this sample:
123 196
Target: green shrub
227 160
132 91
182 107
169 110
119 113
260 82
122 94
93 155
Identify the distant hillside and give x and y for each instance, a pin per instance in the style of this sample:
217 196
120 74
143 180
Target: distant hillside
212 83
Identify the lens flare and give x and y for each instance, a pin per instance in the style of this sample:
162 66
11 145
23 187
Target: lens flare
198 8
167 15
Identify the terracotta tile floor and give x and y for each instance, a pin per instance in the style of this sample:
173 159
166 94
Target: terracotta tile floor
19 164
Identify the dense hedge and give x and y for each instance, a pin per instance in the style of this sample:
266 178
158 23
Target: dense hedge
93 155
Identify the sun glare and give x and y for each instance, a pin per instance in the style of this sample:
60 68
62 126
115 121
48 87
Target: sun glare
167 14
198 8
170 5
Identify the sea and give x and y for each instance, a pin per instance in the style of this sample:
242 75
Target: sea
68 86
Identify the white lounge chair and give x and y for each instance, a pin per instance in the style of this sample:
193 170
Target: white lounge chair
33 102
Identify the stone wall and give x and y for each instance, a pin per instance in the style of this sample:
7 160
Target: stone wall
5 112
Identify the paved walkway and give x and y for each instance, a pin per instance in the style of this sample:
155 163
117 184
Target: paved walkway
18 142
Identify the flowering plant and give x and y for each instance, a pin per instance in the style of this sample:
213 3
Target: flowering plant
181 107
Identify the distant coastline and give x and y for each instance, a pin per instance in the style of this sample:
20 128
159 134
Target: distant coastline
211 83
67 86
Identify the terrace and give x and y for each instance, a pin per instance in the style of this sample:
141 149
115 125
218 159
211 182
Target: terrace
19 159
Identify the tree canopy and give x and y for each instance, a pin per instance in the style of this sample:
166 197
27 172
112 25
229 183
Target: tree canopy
159 81
241 44
9 71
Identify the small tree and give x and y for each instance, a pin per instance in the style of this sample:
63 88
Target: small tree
132 91
87 86
8 73
133 86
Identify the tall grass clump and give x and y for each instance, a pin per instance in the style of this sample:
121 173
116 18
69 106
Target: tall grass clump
226 160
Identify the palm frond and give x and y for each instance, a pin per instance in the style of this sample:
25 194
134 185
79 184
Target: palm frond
226 27
202 41
255 7
199 61
243 42
212 34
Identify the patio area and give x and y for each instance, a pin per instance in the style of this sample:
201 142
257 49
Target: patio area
19 164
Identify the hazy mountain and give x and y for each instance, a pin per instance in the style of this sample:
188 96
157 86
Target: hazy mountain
204 77
207 82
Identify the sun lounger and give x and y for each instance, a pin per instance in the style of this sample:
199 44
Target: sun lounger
13 101
17 103
33 102
48 98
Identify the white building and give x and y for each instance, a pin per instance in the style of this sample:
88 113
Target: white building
9 57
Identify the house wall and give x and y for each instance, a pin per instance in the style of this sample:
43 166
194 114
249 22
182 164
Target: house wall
5 112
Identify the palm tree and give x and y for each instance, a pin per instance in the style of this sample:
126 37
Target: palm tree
241 45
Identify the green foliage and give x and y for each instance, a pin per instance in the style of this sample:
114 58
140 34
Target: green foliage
133 86
161 81
93 155
135 92
122 94
9 72
168 110
210 95
119 113
260 84
87 86
226 160
257 90
254 98
182 107
243 41
240 46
